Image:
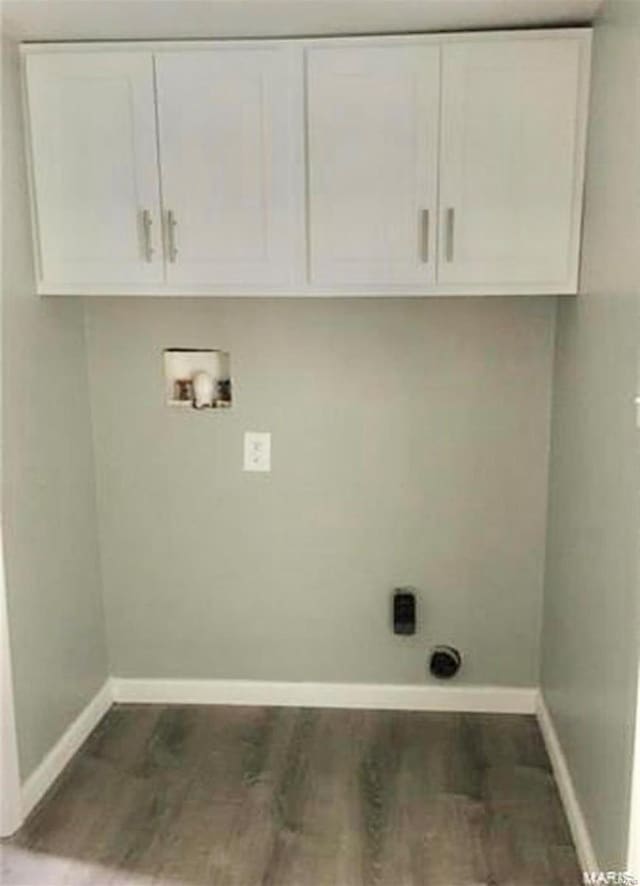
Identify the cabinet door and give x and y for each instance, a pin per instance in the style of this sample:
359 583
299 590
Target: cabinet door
372 142
511 161
226 160
95 169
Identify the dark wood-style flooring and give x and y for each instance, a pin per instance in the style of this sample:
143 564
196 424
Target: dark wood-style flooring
243 796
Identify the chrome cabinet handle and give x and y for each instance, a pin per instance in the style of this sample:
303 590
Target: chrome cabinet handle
424 236
171 235
450 234
146 231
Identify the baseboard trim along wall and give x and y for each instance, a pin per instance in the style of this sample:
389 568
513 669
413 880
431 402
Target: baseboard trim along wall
43 776
479 699
462 699
572 808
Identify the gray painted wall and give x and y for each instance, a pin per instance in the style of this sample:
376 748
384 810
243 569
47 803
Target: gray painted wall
592 600
50 538
410 442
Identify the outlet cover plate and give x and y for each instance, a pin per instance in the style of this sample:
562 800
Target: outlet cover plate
257 451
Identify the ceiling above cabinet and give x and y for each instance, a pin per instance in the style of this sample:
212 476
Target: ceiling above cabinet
215 19
421 165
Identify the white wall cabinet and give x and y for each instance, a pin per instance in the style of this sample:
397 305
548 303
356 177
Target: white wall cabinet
510 175
95 169
373 164
226 159
415 165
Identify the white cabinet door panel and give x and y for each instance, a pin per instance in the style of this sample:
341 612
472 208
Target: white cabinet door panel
227 165
512 127
372 146
94 167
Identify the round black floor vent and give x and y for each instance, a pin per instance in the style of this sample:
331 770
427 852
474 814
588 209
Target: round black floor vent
445 662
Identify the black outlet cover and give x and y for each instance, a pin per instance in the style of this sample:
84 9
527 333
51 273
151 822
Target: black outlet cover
404 612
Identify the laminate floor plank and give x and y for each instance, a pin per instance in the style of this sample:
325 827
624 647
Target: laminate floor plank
252 796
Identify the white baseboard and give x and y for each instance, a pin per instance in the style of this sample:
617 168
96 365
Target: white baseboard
572 808
479 699
52 765
633 850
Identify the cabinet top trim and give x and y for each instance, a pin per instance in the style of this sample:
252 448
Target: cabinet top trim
578 33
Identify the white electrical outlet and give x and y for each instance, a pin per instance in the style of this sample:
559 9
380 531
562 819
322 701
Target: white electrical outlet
257 451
